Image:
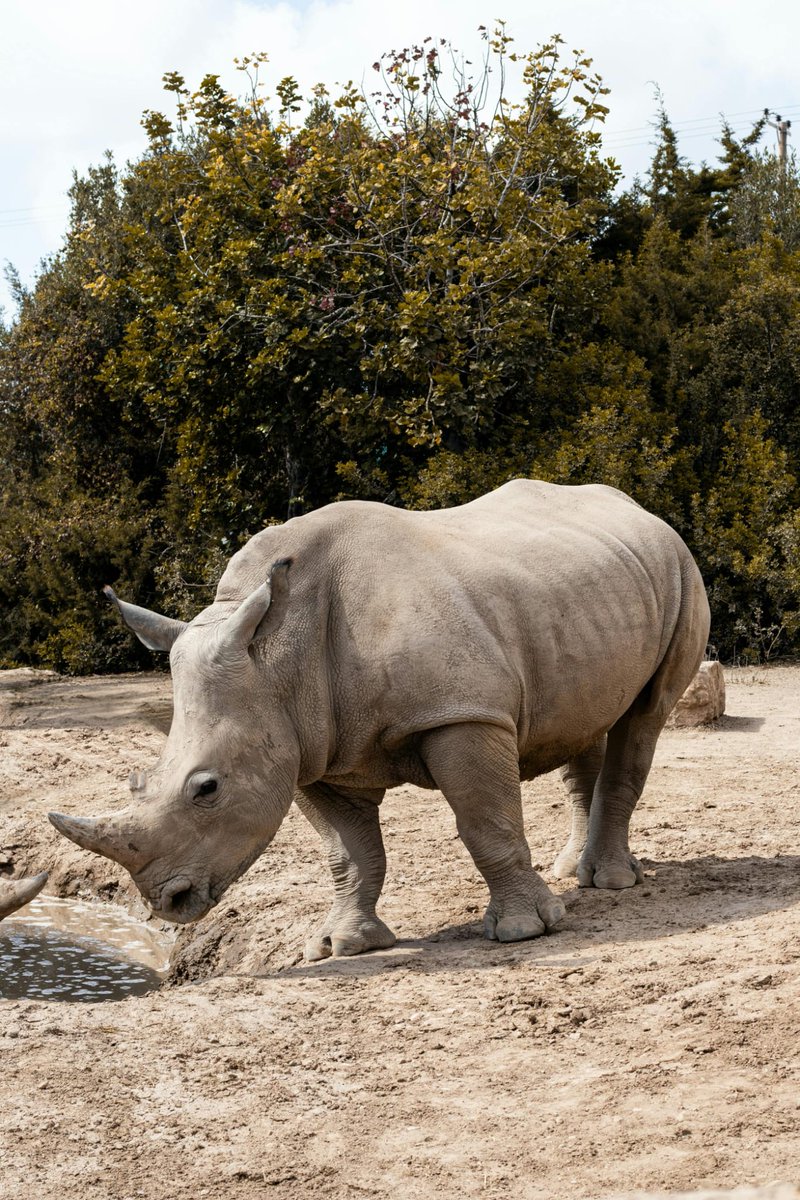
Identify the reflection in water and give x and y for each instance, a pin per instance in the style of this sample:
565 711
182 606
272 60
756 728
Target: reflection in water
71 950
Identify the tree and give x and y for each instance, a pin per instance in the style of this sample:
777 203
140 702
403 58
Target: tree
266 312
766 202
345 295
77 466
678 193
745 533
408 294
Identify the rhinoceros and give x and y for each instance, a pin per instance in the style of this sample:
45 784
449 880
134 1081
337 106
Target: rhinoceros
16 892
361 646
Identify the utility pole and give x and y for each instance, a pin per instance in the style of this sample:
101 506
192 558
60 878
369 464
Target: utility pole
783 128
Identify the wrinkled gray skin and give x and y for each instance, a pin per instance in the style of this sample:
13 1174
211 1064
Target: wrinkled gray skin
537 627
16 892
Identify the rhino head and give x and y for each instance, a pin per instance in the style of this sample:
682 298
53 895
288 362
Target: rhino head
226 778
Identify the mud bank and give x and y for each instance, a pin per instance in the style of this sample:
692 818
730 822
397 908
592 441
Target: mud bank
649 1047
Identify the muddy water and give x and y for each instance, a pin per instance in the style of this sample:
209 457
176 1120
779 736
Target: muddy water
70 950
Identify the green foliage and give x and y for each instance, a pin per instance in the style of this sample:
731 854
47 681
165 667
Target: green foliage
745 530
408 294
767 202
55 551
678 194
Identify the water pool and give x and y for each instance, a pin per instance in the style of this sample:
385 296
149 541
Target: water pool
79 951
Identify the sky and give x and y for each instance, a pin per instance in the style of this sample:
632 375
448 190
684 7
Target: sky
76 75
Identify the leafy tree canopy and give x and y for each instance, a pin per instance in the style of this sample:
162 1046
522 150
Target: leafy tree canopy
408 292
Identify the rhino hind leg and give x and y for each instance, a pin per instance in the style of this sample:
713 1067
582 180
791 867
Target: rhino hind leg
349 826
580 776
477 769
606 861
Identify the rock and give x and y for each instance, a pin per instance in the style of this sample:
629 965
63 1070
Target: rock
703 700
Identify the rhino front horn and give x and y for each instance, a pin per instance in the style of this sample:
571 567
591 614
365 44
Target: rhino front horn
16 892
102 835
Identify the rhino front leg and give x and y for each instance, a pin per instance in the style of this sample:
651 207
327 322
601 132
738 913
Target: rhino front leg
349 825
580 776
477 768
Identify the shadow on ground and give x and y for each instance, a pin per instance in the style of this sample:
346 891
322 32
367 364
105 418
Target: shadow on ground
681 896
729 724
39 701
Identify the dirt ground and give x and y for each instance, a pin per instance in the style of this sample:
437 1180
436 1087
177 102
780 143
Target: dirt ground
651 1046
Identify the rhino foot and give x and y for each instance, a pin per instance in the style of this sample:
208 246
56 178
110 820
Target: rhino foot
566 864
621 871
348 937
514 922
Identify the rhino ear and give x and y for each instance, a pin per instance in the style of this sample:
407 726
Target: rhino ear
261 613
155 631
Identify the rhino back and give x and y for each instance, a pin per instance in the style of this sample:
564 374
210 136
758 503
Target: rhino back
540 608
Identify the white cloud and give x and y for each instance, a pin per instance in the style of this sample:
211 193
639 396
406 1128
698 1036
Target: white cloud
75 78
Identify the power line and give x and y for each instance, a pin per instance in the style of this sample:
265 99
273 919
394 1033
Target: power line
22 222
745 112
32 208
710 123
631 145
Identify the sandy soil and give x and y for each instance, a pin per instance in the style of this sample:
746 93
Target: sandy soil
651 1046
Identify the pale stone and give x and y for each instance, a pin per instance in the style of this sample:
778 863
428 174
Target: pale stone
703 700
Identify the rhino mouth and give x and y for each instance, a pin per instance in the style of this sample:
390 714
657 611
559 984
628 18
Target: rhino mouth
181 900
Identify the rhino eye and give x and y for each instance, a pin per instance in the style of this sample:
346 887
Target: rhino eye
203 788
